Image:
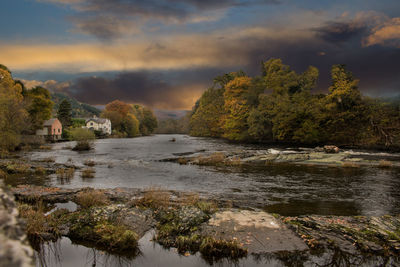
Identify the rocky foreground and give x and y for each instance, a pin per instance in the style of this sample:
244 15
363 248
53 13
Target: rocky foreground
115 219
14 246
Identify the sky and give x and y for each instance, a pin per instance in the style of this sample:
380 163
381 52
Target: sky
165 53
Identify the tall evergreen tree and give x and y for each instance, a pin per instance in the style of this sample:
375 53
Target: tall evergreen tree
64 113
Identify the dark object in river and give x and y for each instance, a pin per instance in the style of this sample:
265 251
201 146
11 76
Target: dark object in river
172 140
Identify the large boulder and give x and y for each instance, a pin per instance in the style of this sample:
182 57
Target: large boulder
14 248
331 149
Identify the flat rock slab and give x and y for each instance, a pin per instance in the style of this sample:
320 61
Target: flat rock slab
259 232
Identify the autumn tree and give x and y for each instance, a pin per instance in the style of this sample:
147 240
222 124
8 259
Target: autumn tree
236 108
130 120
12 113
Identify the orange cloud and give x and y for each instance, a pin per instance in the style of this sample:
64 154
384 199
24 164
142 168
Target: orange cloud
228 48
386 34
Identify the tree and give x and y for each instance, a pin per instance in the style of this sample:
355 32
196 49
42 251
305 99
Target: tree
64 113
39 106
130 125
12 113
236 108
206 118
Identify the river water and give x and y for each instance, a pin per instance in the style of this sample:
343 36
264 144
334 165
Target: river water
285 189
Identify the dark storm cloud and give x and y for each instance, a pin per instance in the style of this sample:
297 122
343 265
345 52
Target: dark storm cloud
109 19
168 90
376 67
340 32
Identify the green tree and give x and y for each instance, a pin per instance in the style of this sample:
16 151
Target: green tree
12 113
64 113
206 118
39 106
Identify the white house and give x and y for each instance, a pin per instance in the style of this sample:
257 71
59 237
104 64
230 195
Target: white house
99 124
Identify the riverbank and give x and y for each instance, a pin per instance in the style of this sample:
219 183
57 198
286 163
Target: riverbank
115 219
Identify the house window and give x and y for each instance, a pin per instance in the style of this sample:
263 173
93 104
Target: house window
59 131
91 124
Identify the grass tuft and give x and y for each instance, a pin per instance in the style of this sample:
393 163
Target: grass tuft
90 198
88 173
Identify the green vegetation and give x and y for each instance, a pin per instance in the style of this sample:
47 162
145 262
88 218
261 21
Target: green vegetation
280 106
79 110
13 115
83 138
39 106
64 113
129 120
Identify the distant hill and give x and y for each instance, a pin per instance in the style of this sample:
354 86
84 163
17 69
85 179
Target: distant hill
79 110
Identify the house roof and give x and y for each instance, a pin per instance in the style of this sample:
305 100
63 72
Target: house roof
50 122
97 120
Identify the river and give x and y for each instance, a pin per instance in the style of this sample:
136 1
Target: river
285 189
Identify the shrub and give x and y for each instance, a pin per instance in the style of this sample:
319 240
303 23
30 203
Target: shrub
40 171
88 173
83 138
90 198
66 173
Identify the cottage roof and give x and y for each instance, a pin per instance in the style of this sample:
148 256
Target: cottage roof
97 120
50 122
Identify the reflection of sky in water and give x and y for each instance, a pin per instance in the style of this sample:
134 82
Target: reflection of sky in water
286 189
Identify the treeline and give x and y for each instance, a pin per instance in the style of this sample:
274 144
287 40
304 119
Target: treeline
23 111
279 106
129 120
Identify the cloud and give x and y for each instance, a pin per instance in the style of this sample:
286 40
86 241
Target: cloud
154 89
340 32
111 19
387 34
227 48
52 85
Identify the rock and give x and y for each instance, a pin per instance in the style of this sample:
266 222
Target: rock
331 149
259 232
14 248
293 157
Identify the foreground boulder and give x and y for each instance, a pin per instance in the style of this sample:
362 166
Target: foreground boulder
259 232
14 248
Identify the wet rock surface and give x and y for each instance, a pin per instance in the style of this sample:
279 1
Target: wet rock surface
14 248
259 232
349 233
198 226
327 155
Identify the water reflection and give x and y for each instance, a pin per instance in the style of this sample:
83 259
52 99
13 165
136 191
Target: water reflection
65 253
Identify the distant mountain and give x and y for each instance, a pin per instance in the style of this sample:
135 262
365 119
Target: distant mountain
79 110
169 114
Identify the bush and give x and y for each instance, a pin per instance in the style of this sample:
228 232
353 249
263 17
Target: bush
88 173
66 173
83 138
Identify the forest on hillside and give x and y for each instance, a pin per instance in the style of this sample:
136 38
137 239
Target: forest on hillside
280 106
